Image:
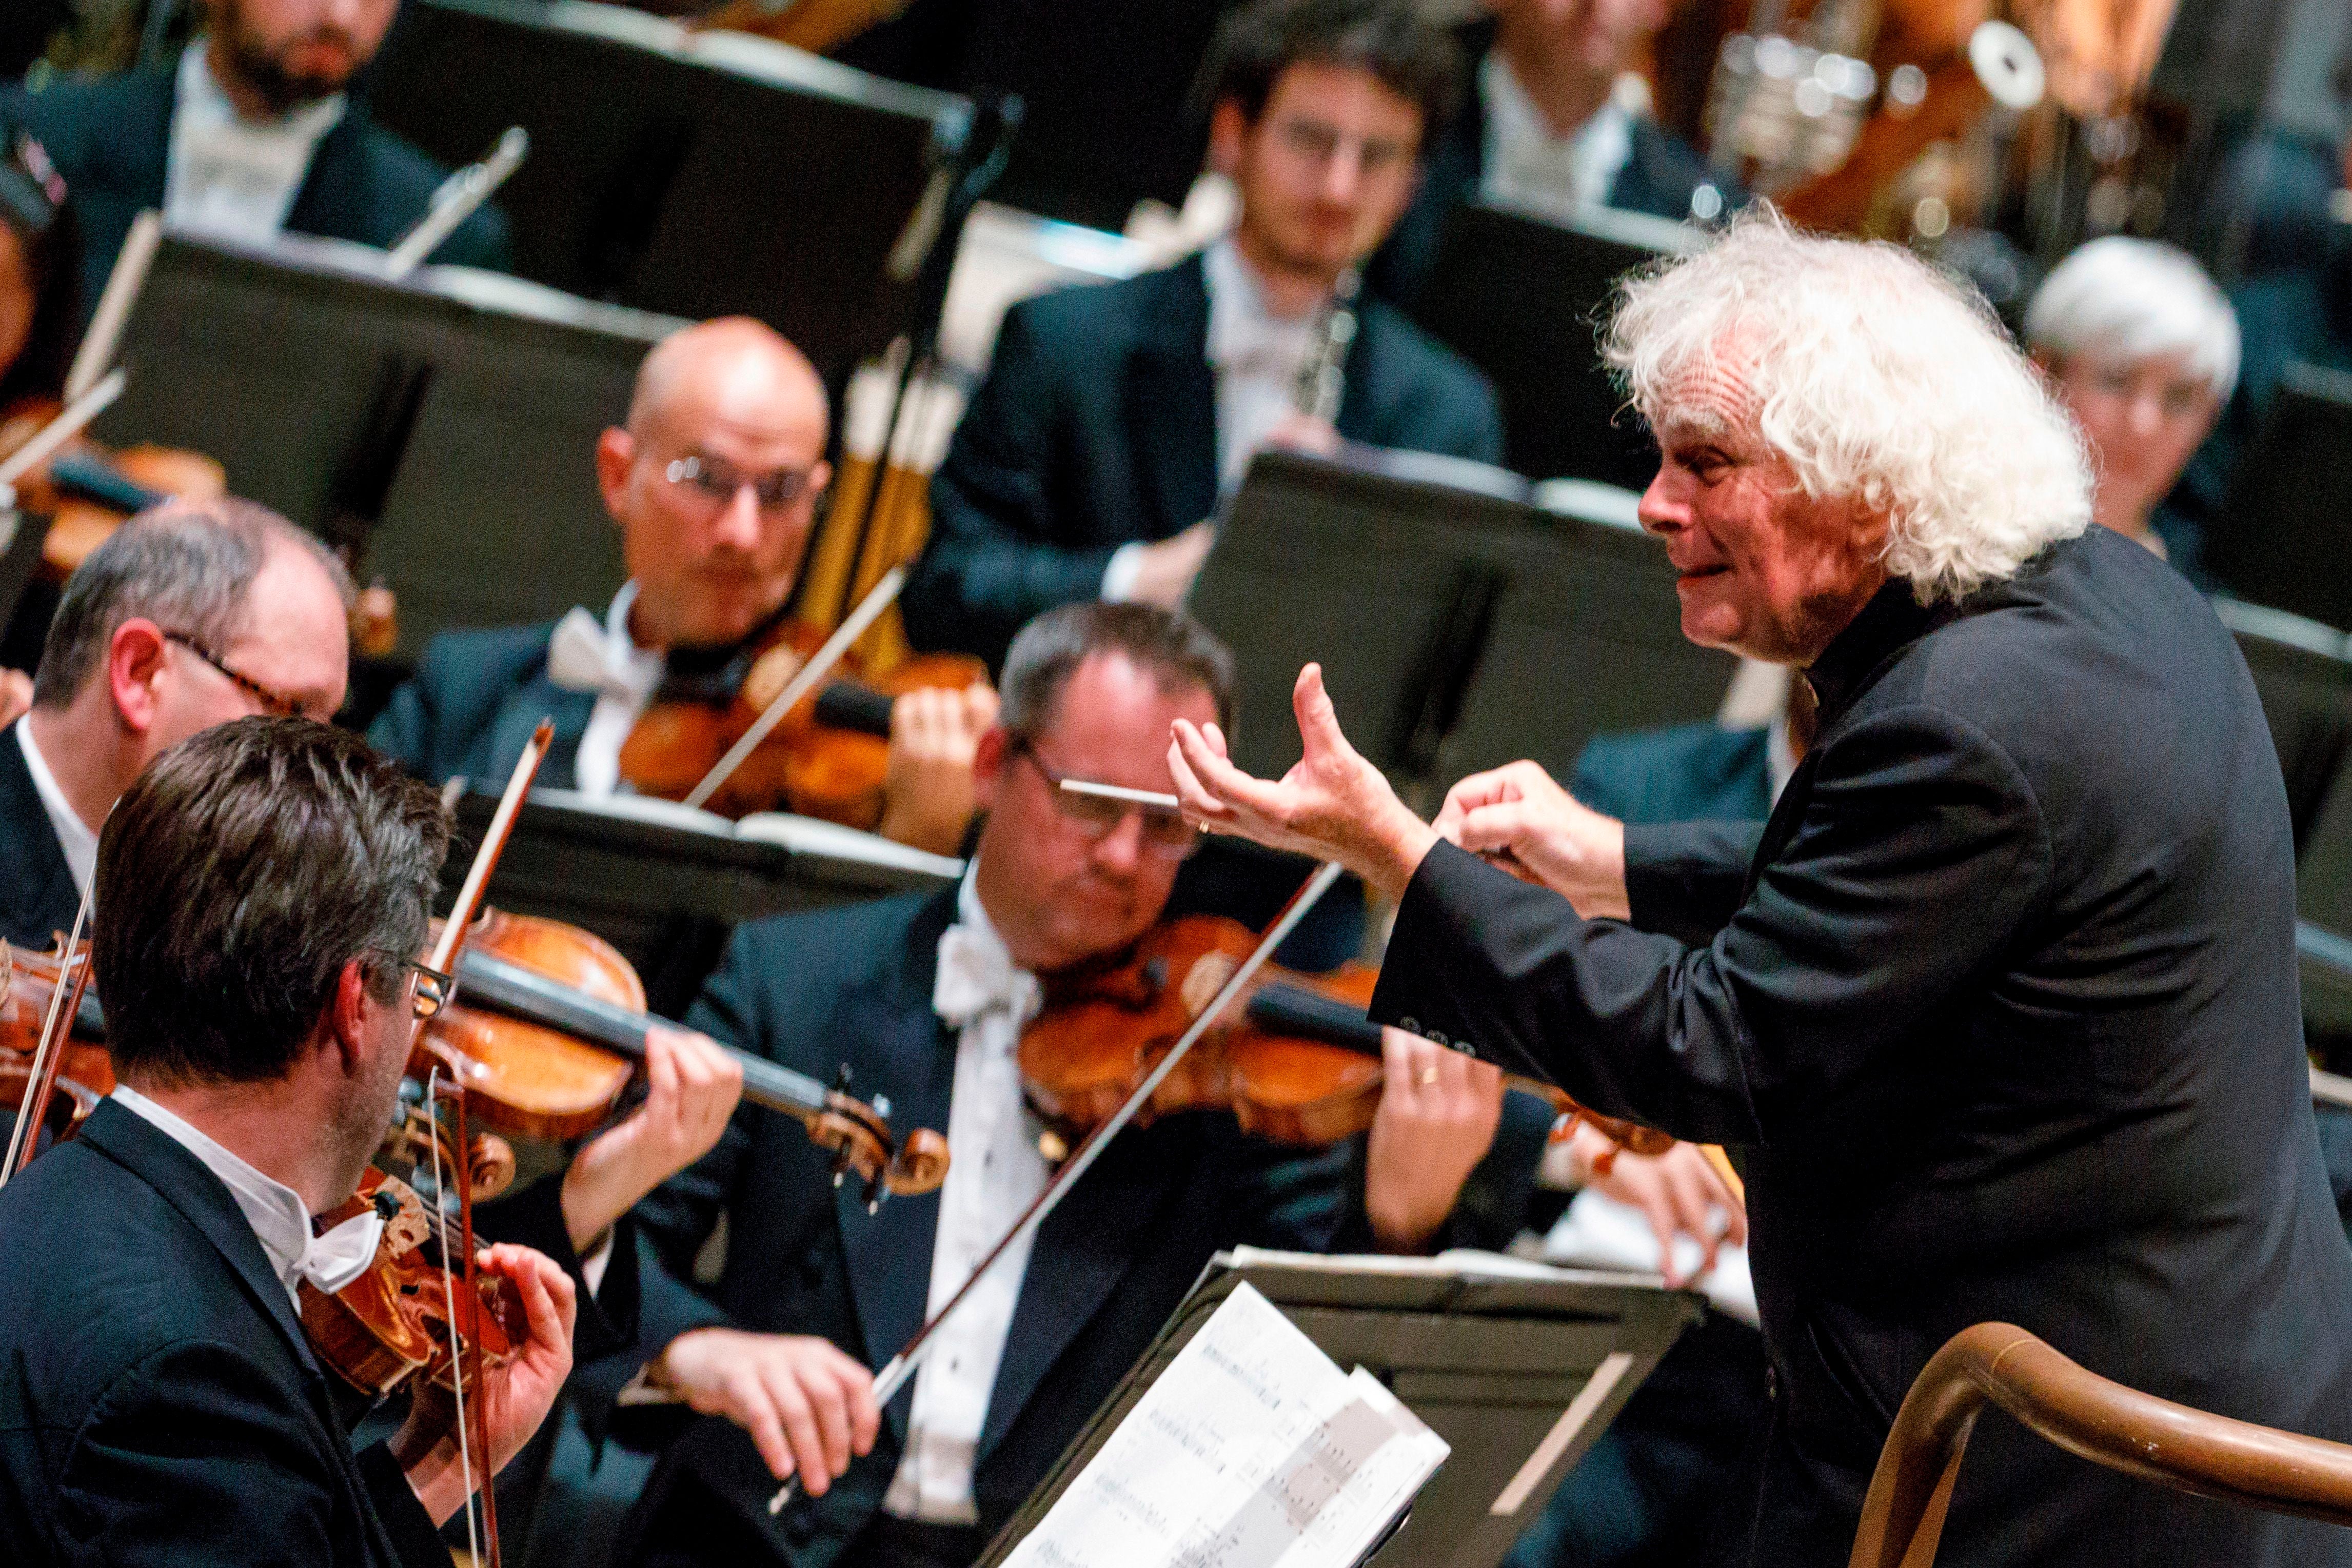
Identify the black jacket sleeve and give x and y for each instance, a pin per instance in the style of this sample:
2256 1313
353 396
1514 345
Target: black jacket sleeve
1921 852
196 1455
1685 880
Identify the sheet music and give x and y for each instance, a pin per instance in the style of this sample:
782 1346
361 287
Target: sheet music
1252 1451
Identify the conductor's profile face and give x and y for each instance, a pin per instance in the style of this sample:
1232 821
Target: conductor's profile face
1761 568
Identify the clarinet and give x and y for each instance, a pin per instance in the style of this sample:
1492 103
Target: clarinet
1323 377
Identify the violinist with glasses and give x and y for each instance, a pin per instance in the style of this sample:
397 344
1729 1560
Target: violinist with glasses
262 891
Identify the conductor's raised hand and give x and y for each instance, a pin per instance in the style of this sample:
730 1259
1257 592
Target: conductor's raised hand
1518 818
1332 804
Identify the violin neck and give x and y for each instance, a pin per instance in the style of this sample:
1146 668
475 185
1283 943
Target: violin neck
1296 1010
486 980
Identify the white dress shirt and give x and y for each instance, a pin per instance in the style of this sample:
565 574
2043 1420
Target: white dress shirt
583 657
1529 168
1256 356
74 837
281 1221
997 1172
231 176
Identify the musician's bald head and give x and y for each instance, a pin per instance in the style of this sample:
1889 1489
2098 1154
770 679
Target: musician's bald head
714 480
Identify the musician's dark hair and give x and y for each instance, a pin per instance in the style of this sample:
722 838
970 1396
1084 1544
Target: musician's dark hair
188 566
1177 649
32 209
236 877
1408 54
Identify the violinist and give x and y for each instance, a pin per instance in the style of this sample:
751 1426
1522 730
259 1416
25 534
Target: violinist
194 613
248 131
713 482
260 890
924 999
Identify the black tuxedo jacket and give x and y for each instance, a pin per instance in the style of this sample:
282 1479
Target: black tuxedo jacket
110 138
1097 426
2003 1012
472 704
158 1401
853 987
38 896
1661 172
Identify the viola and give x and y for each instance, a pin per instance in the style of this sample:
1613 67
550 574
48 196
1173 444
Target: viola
87 491
1297 1061
550 1024
828 757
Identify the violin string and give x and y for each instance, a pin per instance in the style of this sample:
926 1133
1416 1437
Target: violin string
457 1346
902 1366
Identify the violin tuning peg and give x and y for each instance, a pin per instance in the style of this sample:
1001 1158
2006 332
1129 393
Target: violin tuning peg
882 1105
841 1076
1054 1146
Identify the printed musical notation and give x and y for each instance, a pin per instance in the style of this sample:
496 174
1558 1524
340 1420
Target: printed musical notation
1252 1451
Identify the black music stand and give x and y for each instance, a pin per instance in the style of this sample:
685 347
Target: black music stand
1519 1366
698 175
2302 674
451 417
665 884
1457 630
22 534
1520 296
2281 538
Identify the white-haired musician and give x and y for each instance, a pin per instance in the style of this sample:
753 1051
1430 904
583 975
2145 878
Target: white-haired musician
2000 1011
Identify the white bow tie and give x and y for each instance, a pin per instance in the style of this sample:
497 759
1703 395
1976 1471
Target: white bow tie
976 975
582 658
344 1253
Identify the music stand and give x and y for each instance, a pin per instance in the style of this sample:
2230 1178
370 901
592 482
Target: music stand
2302 674
22 534
1561 415
694 174
451 417
1518 1365
2280 540
1457 630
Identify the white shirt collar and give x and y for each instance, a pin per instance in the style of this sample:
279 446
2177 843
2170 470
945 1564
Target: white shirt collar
74 837
1780 755
1528 167
586 655
1240 325
976 969
229 175
280 1219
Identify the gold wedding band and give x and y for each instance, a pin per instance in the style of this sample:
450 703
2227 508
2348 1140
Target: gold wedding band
1428 1076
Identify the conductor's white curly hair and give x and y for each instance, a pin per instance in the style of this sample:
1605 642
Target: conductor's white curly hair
1875 378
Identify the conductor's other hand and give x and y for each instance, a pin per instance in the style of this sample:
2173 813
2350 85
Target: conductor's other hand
1165 570
934 731
808 1407
1332 804
1518 818
1439 1110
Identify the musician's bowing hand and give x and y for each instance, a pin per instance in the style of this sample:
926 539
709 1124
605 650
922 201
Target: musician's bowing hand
1332 804
1165 573
516 1397
1439 1109
928 797
808 1407
691 1087
1679 1191
1518 818
15 695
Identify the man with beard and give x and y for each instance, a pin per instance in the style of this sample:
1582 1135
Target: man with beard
250 133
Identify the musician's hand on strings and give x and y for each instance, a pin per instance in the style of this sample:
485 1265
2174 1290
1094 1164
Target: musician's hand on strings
1517 817
1164 574
1332 804
1438 1113
15 695
808 1407
1679 1191
516 1397
691 1088
928 797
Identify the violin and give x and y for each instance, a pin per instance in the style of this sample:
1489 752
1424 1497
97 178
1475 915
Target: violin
828 757
87 491
1296 1062
550 1024
28 981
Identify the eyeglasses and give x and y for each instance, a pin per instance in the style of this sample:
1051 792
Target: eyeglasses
721 480
275 703
433 986
1165 834
1318 142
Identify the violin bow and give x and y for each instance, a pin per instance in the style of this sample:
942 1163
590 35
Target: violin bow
50 1055
901 1367
68 424
466 1359
820 665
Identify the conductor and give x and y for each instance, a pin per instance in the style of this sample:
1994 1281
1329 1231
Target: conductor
2001 1010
